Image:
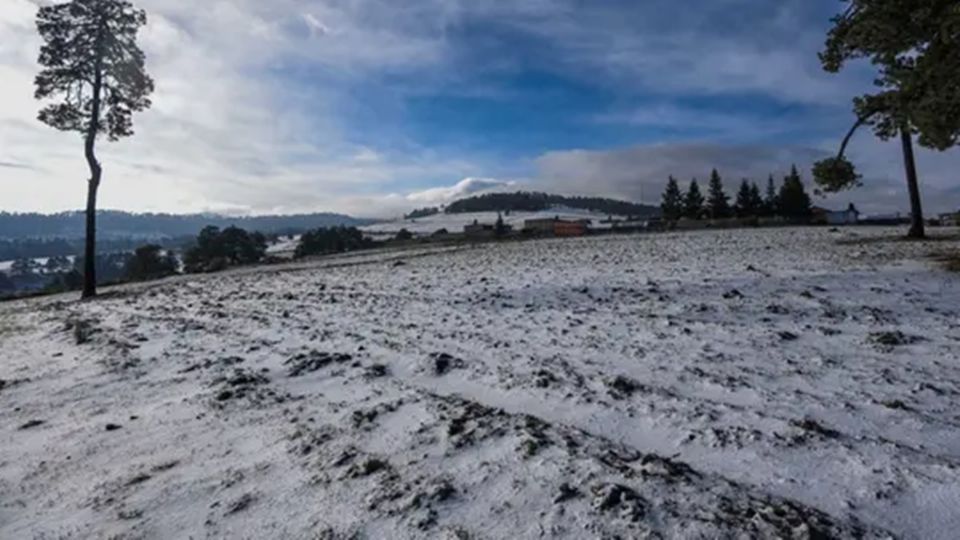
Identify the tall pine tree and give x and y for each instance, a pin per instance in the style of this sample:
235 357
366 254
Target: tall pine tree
93 66
693 202
793 201
744 205
672 202
718 203
756 200
770 205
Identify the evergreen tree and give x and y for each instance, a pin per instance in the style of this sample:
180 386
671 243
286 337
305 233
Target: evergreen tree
756 200
672 206
793 201
770 203
500 228
718 203
745 204
93 65
693 202
915 46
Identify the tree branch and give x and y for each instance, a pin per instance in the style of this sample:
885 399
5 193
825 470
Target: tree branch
846 140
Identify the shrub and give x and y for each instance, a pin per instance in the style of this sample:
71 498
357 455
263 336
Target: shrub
151 262
216 250
326 240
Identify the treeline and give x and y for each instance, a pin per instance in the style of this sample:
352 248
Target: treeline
60 274
523 201
790 200
118 224
213 250
34 248
422 212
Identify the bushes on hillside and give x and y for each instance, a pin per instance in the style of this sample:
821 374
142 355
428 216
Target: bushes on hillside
151 262
217 249
6 284
328 240
422 213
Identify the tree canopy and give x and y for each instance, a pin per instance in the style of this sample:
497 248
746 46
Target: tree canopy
693 201
718 203
93 65
672 203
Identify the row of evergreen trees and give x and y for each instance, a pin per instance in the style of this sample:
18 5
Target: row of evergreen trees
790 200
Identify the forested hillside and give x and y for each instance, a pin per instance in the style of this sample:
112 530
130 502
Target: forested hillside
534 202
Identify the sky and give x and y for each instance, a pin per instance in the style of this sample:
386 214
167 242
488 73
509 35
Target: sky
374 107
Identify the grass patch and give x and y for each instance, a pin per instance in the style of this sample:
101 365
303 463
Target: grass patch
7 326
932 236
949 260
952 264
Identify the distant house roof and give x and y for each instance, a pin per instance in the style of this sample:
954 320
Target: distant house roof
849 209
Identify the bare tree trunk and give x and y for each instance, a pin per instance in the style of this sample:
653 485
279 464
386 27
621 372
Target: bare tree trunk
913 185
90 245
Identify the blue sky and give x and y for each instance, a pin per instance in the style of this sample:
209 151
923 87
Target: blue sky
374 106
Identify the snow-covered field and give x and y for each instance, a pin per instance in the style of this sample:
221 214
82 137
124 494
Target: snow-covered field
454 223
714 384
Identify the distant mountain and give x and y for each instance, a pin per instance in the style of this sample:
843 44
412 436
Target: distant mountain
118 224
523 201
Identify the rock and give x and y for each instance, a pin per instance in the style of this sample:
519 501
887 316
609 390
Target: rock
621 499
566 492
313 361
443 363
367 467
240 504
892 339
112 427
812 426
543 378
622 387
31 424
787 336
732 293
376 371
895 404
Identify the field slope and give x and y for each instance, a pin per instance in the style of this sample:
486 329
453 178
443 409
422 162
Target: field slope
764 383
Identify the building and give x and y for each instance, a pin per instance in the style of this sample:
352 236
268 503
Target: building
850 216
556 227
479 230
951 219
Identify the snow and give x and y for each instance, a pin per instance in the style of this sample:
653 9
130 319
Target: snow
5 266
753 383
284 247
454 223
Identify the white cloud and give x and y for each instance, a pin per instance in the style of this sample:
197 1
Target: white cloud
463 188
220 135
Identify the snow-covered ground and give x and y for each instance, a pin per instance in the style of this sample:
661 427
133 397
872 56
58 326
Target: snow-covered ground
713 384
284 247
454 223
